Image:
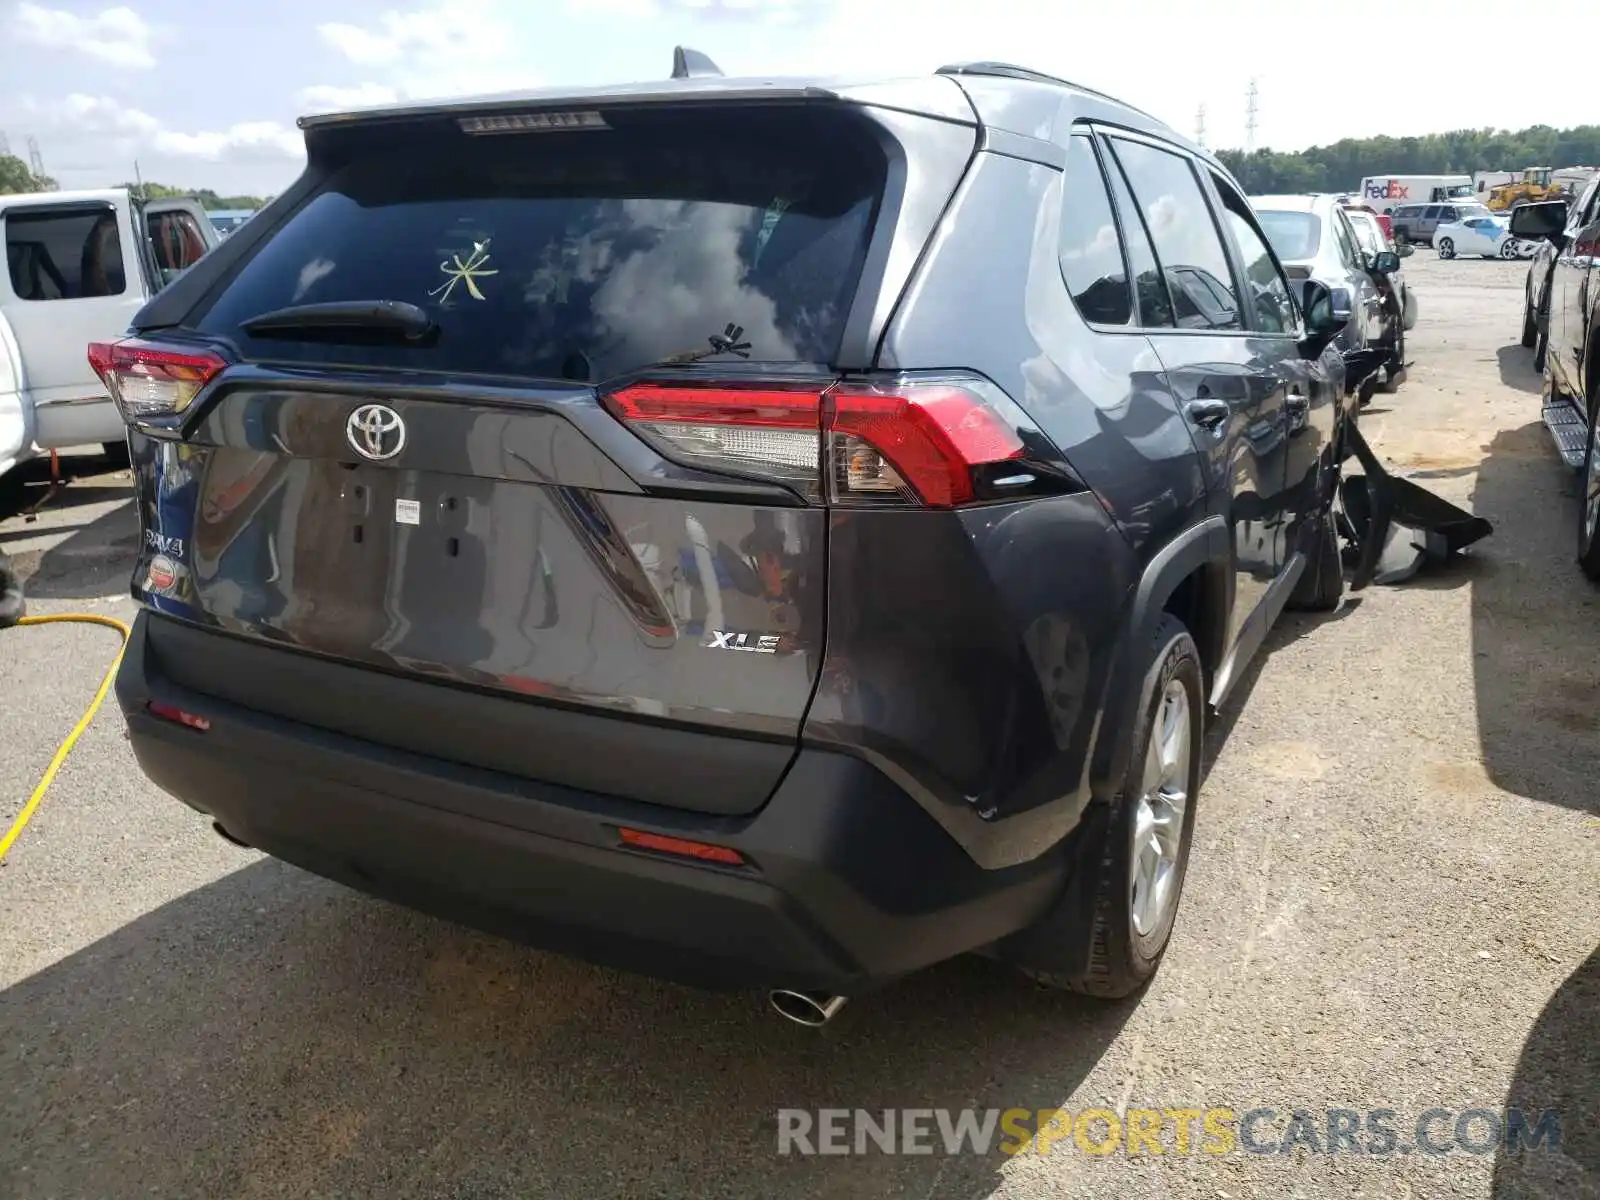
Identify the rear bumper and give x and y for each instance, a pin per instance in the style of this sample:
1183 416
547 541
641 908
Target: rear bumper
850 882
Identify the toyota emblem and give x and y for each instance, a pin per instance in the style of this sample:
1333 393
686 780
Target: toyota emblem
376 431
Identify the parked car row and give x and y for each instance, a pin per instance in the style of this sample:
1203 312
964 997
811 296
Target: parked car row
861 607
79 265
1315 238
1563 287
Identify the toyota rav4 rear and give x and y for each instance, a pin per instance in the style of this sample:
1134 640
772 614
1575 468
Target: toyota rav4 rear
535 532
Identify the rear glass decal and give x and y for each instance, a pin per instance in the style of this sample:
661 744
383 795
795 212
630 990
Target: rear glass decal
469 272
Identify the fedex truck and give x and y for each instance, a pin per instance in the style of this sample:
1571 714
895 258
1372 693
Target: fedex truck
1384 192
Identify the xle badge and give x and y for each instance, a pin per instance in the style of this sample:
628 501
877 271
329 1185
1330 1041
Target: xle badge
753 643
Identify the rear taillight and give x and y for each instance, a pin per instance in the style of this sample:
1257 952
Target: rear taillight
902 441
148 380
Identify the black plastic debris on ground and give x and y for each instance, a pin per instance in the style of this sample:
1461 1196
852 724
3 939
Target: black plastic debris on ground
1393 526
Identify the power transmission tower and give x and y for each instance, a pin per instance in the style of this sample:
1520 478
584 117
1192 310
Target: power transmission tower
1200 127
35 159
1250 114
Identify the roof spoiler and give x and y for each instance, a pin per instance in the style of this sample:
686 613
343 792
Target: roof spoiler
691 64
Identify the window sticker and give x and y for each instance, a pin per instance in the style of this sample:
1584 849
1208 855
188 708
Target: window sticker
468 273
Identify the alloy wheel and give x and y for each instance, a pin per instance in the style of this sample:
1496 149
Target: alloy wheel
1159 816
1447 248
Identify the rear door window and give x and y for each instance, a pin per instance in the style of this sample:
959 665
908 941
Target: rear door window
64 253
1091 252
1186 239
1153 300
581 255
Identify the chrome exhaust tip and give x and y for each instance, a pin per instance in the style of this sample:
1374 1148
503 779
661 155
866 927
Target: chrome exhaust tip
811 1009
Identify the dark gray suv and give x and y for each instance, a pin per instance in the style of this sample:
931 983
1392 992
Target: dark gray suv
762 533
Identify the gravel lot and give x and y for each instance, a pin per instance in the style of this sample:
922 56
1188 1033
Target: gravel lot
1392 904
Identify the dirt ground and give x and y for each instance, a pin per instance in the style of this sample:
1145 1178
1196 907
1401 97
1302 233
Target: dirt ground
1392 905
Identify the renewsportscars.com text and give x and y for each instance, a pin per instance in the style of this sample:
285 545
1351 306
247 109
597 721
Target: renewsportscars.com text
1179 1130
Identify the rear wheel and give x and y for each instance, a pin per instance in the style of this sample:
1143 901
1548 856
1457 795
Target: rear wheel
1589 505
1146 850
1508 249
1530 323
1447 248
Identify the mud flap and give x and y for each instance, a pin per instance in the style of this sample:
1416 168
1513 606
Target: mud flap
1393 526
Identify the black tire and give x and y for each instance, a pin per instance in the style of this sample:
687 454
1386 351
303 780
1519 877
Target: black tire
1589 481
1121 959
12 606
1401 238
1389 387
1541 344
1530 324
1447 248
1321 587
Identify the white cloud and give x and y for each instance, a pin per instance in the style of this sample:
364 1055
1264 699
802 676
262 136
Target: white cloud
101 114
118 36
457 47
332 98
130 130
246 140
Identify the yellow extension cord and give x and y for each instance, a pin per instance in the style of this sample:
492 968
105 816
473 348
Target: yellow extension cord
121 627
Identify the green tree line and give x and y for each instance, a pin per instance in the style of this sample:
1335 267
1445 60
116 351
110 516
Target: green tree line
208 199
1342 166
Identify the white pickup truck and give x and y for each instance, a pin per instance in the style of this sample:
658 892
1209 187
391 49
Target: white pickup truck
78 266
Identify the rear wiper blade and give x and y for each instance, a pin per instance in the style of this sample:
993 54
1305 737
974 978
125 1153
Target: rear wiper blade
355 316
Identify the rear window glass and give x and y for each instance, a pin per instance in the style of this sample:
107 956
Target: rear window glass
65 253
1295 236
583 255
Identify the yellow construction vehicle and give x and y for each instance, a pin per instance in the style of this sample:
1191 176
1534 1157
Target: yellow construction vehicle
1533 187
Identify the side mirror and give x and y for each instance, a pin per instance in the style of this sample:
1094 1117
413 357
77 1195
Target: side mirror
1324 322
1386 262
1544 221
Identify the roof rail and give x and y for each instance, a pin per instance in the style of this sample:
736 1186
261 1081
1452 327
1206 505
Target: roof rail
691 64
1012 71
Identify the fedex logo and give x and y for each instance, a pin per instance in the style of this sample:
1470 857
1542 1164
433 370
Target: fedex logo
1393 190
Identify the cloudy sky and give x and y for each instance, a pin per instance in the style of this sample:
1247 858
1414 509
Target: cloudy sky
206 94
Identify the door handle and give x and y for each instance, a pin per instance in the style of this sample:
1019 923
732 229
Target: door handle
1207 414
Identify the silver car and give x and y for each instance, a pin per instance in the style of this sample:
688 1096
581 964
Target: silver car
1313 239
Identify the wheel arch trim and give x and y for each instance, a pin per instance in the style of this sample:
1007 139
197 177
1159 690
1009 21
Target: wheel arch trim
1206 544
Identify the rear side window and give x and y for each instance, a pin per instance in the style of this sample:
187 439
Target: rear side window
1186 240
1296 236
64 254
582 255
1091 252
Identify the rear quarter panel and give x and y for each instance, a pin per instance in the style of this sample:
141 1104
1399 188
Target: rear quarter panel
972 658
